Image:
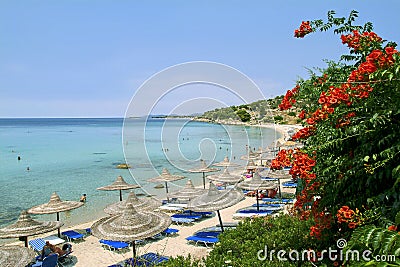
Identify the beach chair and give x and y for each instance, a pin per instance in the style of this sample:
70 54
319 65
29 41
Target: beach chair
266 206
170 231
252 210
37 244
148 259
114 245
202 239
67 256
49 261
186 216
207 234
289 184
198 213
72 235
182 220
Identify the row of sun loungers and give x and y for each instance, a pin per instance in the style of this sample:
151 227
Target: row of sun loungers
189 217
118 245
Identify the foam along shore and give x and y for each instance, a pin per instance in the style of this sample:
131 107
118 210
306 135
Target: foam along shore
91 253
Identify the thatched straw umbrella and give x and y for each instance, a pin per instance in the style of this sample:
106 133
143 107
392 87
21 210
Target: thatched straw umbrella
203 168
256 183
119 184
131 225
226 177
215 200
188 192
225 163
166 177
251 165
11 256
55 205
25 226
146 203
251 156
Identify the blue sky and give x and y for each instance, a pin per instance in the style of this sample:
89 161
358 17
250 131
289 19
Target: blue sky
87 58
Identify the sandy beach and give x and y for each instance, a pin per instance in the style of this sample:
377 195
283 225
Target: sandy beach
91 253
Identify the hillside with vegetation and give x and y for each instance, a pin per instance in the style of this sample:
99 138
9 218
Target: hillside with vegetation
262 111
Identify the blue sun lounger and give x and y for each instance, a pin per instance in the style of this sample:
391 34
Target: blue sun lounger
37 244
207 234
255 211
186 216
148 259
289 184
182 220
114 245
203 239
170 231
72 235
268 206
278 200
198 213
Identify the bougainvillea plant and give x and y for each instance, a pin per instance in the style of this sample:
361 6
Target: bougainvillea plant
351 116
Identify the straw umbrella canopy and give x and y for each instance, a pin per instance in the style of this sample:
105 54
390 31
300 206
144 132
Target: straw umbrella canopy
25 226
225 163
188 192
203 168
11 256
131 225
146 203
215 200
119 184
55 205
256 183
166 177
251 165
251 155
226 177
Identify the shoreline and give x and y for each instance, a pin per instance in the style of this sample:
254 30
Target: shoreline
284 129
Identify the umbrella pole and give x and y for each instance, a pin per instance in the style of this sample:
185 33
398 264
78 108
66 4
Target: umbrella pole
258 206
120 195
58 230
134 251
204 180
220 221
26 241
166 190
280 192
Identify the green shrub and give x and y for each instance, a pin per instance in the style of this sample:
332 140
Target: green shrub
292 113
239 247
278 118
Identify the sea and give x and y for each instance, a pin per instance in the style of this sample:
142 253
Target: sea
75 156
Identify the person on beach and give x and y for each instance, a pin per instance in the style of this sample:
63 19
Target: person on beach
83 198
50 249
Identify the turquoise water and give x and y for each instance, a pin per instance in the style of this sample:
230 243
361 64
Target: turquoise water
76 156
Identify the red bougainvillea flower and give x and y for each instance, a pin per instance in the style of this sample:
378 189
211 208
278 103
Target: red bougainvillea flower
304 133
288 100
303 30
302 114
392 228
